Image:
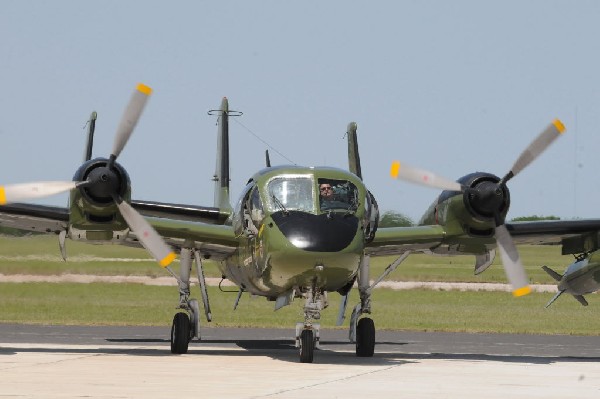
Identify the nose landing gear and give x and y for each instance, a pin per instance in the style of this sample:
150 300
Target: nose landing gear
307 333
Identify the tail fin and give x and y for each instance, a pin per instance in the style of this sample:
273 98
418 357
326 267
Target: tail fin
221 177
554 298
353 155
581 299
552 273
90 138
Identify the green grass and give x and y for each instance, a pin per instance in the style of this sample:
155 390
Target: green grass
420 310
41 255
22 256
415 310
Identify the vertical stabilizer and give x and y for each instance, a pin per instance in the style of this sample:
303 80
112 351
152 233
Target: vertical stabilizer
221 177
353 156
90 138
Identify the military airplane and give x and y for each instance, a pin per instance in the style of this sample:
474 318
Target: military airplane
295 232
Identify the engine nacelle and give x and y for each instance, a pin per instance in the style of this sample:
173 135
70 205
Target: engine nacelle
476 210
94 214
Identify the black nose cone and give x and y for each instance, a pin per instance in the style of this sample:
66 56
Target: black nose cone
319 233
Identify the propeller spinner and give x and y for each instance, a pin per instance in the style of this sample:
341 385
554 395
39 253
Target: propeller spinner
488 197
101 182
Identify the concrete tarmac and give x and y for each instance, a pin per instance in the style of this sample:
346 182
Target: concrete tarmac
135 362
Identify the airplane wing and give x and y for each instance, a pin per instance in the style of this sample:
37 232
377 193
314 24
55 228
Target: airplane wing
396 240
178 223
213 241
47 219
194 213
34 218
575 236
550 231
175 223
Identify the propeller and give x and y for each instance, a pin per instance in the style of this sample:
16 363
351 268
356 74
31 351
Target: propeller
18 192
132 114
100 181
488 199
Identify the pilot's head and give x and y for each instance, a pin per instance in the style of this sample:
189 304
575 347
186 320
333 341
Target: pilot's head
326 191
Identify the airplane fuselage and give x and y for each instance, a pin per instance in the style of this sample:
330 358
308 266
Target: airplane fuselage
290 238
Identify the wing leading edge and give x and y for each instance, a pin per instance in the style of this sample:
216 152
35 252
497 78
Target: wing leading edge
397 240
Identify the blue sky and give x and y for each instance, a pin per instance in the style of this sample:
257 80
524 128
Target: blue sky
453 87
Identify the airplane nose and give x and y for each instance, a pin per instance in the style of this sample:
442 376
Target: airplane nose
319 233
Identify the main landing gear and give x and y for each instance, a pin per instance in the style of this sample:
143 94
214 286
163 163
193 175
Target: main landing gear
362 330
181 333
186 325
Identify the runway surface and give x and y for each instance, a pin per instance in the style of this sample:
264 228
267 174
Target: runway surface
132 362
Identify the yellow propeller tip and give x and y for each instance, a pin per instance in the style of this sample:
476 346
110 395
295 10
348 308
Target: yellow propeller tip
2 196
522 291
142 88
559 125
395 169
166 261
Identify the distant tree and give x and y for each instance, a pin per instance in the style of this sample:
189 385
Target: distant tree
394 219
534 218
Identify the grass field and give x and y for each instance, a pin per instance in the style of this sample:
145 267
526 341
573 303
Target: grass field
419 310
41 255
422 310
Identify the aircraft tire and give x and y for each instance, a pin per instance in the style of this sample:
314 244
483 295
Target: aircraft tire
307 346
180 333
365 337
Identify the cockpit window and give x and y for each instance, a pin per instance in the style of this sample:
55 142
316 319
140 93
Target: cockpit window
291 193
338 195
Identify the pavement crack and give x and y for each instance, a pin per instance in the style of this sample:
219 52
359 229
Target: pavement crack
350 377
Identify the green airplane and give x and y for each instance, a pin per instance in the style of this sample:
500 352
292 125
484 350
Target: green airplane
295 232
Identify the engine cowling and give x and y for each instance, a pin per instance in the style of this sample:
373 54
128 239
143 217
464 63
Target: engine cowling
485 199
474 211
94 213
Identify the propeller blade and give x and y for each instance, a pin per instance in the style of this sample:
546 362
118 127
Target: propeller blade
130 117
512 262
422 177
25 191
150 239
539 145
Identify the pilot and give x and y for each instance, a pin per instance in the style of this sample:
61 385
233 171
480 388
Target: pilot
326 195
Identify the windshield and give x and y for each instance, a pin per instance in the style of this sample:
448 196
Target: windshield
291 193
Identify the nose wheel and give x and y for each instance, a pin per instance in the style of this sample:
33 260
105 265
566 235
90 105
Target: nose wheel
181 333
307 346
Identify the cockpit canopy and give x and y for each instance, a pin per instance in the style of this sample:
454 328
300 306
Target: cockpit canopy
307 192
300 193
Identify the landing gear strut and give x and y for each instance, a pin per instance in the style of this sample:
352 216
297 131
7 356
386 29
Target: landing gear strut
362 330
307 333
186 325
